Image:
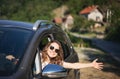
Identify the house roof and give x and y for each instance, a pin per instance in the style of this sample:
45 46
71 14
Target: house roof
88 9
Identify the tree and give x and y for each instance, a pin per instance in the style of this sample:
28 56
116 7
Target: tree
114 27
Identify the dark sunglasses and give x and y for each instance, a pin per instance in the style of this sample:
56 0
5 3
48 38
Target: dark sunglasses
56 50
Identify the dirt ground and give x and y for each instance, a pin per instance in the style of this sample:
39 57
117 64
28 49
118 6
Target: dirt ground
111 67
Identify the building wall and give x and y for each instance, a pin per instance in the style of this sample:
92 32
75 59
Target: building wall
96 16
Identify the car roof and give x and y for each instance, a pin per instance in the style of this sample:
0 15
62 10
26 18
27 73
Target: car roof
21 24
17 24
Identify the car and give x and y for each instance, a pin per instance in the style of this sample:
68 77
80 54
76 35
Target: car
20 47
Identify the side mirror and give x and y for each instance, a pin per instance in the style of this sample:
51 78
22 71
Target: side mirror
54 71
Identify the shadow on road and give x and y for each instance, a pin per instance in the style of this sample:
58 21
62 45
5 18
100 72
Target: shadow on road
110 64
111 67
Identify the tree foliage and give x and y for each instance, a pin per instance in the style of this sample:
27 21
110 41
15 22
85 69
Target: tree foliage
114 27
32 10
27 10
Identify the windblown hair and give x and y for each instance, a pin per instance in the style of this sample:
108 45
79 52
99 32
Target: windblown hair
56 60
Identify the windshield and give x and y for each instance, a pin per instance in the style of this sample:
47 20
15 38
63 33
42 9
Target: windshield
13 42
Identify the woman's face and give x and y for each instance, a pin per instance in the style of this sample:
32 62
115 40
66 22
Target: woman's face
53 50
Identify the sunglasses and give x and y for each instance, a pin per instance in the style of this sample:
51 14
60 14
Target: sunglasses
56 50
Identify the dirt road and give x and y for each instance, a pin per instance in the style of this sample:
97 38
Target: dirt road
111 67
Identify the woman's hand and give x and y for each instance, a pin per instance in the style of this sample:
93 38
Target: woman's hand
10 57
97 65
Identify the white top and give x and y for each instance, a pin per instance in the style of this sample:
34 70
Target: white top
44 64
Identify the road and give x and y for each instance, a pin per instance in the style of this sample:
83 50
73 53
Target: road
110 47
111 67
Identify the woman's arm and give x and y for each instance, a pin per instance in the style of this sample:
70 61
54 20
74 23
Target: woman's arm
94 64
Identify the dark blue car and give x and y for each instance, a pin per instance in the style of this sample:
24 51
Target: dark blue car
21 44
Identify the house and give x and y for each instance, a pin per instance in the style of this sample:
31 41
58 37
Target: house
92 13
66 22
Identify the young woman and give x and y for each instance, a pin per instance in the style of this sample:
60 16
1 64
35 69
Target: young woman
53 54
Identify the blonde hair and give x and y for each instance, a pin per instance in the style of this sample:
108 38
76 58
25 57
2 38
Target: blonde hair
56 60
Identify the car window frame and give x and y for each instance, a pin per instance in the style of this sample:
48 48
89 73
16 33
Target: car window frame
39 53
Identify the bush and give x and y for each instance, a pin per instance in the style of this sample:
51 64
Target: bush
113 34
81 22
77 41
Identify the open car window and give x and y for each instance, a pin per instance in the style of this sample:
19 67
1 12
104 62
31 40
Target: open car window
37 65
43 42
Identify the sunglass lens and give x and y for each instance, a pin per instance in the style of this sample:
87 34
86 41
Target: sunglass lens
56 50
51 47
